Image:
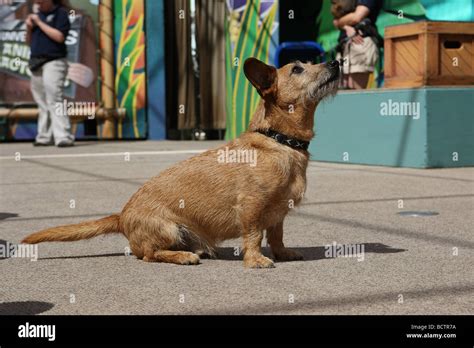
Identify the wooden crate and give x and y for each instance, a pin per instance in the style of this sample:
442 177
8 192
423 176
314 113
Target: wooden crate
429 54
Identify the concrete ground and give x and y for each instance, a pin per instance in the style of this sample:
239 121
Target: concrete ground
411 265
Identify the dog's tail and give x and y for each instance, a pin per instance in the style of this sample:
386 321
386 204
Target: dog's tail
83 230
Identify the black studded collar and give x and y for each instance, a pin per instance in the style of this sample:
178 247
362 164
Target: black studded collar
294 143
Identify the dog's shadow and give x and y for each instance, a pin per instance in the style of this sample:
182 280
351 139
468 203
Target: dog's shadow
24 308
311 253
4 216
234 254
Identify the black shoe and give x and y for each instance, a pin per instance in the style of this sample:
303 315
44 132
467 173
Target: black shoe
37 143
65 144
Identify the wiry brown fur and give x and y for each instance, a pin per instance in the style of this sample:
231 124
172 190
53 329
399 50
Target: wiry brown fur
189 208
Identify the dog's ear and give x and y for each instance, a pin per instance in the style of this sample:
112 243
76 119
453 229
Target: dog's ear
262 76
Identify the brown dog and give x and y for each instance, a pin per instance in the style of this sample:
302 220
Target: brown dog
184 212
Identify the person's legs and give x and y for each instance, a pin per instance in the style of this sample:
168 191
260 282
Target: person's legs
45 131
359 62
54 74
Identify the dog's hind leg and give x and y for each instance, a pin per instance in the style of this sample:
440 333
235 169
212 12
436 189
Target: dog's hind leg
155 239
169 256
161 253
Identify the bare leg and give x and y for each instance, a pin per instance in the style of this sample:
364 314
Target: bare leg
275 239
358 80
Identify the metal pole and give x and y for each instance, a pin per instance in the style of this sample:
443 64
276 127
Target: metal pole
198 133
106 46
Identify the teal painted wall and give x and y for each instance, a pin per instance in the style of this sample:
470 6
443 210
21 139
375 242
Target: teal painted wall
351 124
450 126
449 10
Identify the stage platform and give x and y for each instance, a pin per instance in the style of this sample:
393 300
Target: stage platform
431 127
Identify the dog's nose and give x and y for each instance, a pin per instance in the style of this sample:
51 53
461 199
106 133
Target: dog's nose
333 64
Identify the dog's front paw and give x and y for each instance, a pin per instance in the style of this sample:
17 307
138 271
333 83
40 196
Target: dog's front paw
287 255
259 261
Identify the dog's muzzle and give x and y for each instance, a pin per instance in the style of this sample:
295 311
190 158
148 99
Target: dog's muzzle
334 70
333 67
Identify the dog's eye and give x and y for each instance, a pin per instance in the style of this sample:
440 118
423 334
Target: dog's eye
297 69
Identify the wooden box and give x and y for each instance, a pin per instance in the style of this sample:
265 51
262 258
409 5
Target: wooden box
429 54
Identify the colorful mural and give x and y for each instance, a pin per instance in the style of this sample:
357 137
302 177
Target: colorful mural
130 77
251 31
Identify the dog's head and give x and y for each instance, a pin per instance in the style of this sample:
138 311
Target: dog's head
295 83
290 94
340 8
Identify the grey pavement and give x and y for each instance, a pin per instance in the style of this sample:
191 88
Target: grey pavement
410 265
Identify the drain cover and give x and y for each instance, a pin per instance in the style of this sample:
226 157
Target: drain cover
418 213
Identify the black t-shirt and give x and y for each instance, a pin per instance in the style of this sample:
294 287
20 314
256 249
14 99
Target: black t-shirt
41 44
374 7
